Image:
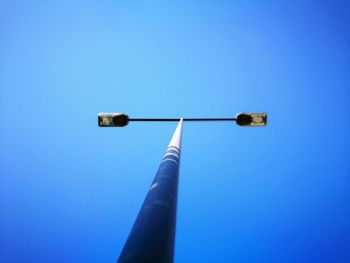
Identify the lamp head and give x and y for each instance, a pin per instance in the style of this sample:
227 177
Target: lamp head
251 119
112 119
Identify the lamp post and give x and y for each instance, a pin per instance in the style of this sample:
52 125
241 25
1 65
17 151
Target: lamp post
152 236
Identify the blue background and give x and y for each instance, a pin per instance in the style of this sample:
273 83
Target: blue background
70 191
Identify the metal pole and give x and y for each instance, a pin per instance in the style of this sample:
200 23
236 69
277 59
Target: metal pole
152 236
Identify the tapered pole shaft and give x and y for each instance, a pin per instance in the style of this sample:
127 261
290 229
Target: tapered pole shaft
152 236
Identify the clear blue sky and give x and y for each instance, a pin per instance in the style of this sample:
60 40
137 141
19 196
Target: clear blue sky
70 191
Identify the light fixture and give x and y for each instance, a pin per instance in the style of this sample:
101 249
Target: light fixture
251 119
108 119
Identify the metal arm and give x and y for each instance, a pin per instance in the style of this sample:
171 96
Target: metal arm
121 119
184 119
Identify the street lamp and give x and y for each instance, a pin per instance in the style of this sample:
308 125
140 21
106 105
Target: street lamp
120 119
152 236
